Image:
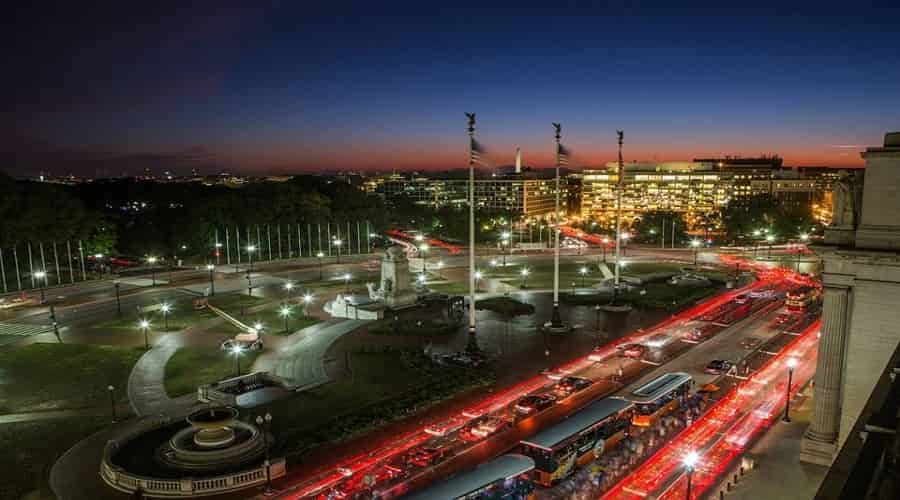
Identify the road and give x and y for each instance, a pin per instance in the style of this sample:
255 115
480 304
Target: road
383 468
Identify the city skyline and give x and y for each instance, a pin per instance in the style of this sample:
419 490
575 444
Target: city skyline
291 89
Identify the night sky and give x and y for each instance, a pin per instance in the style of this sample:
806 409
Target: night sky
274 87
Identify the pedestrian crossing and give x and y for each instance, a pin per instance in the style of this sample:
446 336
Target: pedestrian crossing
11 332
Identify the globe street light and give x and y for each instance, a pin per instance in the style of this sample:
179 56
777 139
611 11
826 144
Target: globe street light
42 277
770 238
152 261
112 401
756 234
478 276
583 272
525 272
605 244
319 256
288 287
285 313
695 244
690 461
504 245
347 281
307 299
424 249
791 364
250 250
804 238
338 243
212 284
624 237
165 308
440 265
145 325
266 424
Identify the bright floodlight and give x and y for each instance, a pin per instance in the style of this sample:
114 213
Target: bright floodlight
690 460
284 311
424 246
440 263
756 232
625 236
605 240
144 323
494 262
288 286
505 235
39 274
218 245
307 298
478 275
151 260
251 248
320 255
525 271
338 243
421 278
98 255
583 270
165 308
804 236
792 363
419 237
257 326
210 267
695 243
770 238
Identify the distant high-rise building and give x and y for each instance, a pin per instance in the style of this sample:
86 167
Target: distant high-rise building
518 161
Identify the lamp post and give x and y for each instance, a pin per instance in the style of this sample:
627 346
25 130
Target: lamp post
319 256
118 302
145 325
695 244
756 233
524 273
307 299
99 258
152 262
597 322
337 244
165 308
250 250
218 252
42 277
440 265
347 281
212 283
804 238
266 423
420 279
237 350
285 313
690 461
605 243
424 249
769 239
583 272
504 244
112 401
791 364
287 288
625 237
478 276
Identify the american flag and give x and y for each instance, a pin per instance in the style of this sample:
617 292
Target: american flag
475 152
562 155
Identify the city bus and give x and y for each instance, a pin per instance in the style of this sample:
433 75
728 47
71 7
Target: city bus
659 397
558 450
505 478
803 298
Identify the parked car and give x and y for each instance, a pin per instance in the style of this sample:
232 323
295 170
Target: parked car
424 457
571 385
634 351
243 342
534 404
718 367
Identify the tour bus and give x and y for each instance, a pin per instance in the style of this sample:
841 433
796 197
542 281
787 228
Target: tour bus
802 298
507 477
558 450
659 397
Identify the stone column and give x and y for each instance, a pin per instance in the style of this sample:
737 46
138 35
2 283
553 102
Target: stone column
819 444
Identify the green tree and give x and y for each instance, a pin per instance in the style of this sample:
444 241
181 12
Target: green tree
652 225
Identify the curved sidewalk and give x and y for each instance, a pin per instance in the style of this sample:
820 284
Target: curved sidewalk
146 384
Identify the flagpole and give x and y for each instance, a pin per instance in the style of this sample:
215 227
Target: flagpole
620 180
472 344
555 319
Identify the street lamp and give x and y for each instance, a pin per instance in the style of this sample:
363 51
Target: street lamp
421 279
112 401
307 299
504 242
319 256
525 272
338 243
791 364
804 238
267 421
165 308
624 237
212 284
152 261
347 281
478 276
285 313
695 244
237 350
145 325
218 253
690 461
769 239
424 249
583 272
288 287
605 244
597 322
756 234
42 277
250 250
440 266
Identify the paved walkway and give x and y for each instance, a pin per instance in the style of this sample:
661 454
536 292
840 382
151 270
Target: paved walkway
146 384
301 356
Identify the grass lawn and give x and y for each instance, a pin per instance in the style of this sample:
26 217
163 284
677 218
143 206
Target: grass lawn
191 366
232 302
451 287
48 376
31 448
410 327
384 385
507 306
181 315
657 296
273 322
541 276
